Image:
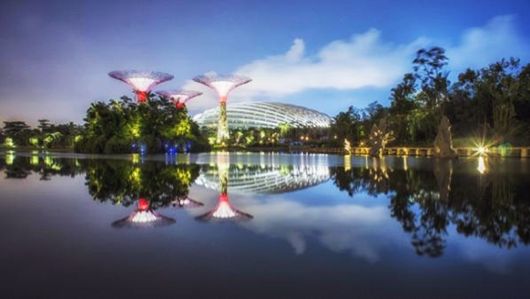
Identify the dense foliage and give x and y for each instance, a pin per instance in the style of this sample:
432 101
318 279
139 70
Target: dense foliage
115 126
426 203
45 136
493 102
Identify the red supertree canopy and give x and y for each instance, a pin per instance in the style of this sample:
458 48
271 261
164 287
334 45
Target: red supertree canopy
179 96
142 82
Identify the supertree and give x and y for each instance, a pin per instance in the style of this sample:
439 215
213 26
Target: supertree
224 210
222 84
143 216
179 96
142 82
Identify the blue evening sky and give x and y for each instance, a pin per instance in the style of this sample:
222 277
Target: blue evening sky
326 55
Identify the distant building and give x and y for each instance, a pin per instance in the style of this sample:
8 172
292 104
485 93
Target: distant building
265 115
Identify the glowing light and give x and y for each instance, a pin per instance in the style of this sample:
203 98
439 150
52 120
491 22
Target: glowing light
142 84
143 204
135 158
9 142
222 84
136 176
347 146
347 162
179 97
143 217
34 160
481 165
34 141
141 81
10 158
481 150
224 210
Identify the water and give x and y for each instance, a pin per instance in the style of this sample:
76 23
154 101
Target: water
264 225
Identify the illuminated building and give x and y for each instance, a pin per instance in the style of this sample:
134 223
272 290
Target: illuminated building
222 84
179 97
141 82
265 115
267 179
143 216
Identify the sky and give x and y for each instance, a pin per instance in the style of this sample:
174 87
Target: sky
325 55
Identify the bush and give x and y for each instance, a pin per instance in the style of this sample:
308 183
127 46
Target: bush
117 145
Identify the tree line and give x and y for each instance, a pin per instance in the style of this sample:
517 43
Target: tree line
45 135
492 102
118 126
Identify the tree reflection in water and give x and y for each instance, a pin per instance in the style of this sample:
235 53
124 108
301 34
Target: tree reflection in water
428 199
46 166
150 185
489 205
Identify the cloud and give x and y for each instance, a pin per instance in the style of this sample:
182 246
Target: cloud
363 61
481 46
358 229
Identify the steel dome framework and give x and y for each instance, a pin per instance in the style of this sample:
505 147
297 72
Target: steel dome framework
265 115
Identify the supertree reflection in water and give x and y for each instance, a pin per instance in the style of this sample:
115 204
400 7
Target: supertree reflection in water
143 216
224 209
186 202
149 186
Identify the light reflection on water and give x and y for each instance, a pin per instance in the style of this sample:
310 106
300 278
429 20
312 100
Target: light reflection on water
437 216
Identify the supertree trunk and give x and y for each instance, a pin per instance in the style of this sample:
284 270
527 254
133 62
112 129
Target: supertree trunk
222 127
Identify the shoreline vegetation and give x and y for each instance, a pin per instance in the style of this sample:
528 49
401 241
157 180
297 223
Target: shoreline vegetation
488 108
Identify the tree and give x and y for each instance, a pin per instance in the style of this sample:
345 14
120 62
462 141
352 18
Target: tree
428 69
346 125
115 126
18 131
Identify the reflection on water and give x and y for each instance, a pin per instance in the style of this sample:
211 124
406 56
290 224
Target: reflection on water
426 197
426 202
343 222
143 215
224 209
481 165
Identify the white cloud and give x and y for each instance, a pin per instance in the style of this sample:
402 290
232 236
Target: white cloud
481 46
364 60
361 230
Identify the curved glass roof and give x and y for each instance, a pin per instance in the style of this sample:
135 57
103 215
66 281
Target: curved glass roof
265 179
265 115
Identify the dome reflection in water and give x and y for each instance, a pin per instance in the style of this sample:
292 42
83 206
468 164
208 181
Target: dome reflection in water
361 214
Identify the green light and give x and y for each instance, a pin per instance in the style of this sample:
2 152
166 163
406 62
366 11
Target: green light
10 158
34 141
9 142
34 160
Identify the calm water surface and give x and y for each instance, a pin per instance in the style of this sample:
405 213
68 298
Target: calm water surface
264 225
